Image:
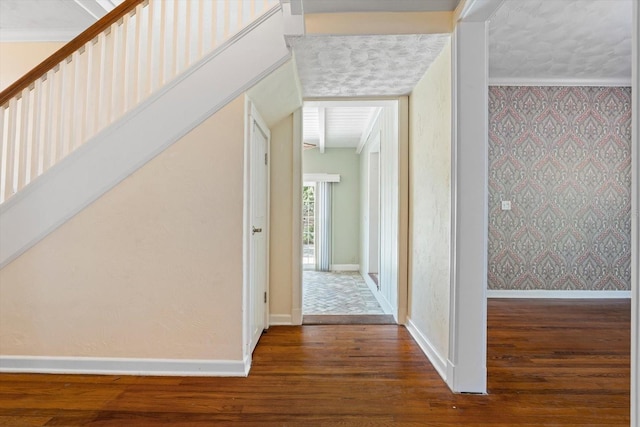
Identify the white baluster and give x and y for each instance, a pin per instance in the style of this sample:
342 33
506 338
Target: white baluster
78 111
63 135
104 80
36 131
183 20
229 14
140 56
108 75
160 44
119 62
174 41
10 181
3 153
125 68
201 33
50 120
22 140
91 88
153 28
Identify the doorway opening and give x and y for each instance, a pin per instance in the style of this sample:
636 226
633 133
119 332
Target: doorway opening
344 221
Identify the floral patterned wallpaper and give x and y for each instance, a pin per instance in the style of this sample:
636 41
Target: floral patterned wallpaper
562 156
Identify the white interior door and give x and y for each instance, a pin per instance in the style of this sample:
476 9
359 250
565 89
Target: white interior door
258 222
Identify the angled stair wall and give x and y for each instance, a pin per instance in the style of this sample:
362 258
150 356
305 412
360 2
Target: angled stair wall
95 144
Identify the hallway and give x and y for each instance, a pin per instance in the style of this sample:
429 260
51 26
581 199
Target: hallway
337 293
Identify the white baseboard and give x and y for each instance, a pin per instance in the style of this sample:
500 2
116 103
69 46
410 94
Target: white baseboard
344 267
125 366
296 316
384 304
541 293
280 319
436 359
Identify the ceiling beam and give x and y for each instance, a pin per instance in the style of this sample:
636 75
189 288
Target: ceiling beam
321 128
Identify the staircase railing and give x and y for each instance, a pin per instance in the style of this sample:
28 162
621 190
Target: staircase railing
104 72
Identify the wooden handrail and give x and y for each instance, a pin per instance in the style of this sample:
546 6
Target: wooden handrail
68 49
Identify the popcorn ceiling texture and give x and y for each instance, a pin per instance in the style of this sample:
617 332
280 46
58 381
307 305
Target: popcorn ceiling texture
561 39
364 65
562 155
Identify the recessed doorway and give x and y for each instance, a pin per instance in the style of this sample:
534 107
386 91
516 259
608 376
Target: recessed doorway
342 216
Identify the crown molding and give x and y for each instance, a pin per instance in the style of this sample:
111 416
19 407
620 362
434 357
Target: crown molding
532 81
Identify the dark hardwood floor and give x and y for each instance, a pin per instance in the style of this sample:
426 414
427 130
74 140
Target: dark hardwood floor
549 362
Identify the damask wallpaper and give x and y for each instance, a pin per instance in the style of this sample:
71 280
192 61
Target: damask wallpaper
562 156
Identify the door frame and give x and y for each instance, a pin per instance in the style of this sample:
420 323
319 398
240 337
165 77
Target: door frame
252 115
401 104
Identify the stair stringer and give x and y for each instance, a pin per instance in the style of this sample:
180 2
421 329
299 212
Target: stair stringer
140 135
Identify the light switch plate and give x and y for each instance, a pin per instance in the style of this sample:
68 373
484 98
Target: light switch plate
506 205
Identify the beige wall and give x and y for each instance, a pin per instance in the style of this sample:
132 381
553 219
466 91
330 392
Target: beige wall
16 59
152 269
345 209
366 23
281 208
430 202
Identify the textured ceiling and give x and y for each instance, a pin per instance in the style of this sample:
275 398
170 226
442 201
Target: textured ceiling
561 39
340 66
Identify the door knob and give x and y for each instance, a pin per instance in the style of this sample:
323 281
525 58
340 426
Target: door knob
255 230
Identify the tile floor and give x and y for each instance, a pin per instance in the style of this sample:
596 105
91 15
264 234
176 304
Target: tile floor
337 293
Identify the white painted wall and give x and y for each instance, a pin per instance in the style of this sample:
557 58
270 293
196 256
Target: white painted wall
345 212
389 275
152 269
467 361
430 209
18 58
281 259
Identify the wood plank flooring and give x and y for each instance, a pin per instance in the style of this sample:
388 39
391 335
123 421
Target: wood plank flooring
549 362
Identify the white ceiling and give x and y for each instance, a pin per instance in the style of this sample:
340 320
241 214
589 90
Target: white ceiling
359 66
344 125
561 40
49 20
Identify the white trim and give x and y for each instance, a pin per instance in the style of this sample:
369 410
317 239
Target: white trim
384 304
125 366
436 359
280 319
524 81
344 267
296 223
541 293
321 177
635 221
11 35
129 143
373 119
468 302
